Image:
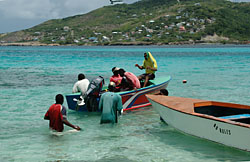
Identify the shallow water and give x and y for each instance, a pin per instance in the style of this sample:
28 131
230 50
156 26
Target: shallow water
30 77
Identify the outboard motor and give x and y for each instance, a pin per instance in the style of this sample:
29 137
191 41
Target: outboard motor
92 96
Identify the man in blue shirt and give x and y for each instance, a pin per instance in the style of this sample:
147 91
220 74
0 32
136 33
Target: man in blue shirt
109 104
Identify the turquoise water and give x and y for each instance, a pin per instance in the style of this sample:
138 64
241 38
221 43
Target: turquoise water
30 77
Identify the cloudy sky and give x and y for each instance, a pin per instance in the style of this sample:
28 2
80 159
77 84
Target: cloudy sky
22 14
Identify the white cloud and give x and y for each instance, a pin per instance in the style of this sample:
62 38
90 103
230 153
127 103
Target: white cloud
24 12
32 9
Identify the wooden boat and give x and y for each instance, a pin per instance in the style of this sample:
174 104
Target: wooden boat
224 123
130 99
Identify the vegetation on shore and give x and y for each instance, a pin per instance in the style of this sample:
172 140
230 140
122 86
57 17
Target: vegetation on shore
146 22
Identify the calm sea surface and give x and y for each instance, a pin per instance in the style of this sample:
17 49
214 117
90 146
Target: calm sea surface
30 77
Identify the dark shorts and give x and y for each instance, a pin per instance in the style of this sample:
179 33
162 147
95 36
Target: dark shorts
151 76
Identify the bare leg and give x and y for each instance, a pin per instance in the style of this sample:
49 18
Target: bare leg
140 79
146 81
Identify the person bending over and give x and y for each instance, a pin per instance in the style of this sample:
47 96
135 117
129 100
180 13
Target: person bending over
110 103
129 81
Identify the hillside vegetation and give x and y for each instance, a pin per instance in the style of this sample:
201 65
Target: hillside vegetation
146 22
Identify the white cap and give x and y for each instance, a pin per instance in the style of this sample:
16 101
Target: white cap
116 69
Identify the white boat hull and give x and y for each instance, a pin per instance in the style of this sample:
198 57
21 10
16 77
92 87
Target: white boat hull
221 132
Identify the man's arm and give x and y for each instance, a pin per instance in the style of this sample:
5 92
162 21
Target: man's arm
46 116
65 121
152 68
75 90
140 67
119 104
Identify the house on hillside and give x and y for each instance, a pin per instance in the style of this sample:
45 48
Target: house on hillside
182 29
105 38
62 38
93 39
66 28
76 41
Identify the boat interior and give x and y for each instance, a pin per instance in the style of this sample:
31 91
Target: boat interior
234 112
150 82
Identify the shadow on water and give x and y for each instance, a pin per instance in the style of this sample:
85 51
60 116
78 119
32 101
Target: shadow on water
197 146
121 158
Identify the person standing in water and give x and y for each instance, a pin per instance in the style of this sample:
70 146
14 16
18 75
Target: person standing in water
110 103
57 115
150 66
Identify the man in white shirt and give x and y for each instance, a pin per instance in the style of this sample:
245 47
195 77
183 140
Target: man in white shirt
81 85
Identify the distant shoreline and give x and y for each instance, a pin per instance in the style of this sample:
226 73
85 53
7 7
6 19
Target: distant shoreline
27 44
121 44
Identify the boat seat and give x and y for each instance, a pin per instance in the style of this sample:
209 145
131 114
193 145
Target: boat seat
233 117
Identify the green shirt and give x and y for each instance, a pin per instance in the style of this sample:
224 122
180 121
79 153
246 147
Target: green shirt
110 103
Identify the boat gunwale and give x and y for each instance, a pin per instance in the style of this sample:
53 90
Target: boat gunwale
145 88
144 91
204 115
223 104
134 91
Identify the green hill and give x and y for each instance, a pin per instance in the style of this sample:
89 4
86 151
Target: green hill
146 22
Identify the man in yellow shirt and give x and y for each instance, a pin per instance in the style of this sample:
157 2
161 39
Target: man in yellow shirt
150 65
